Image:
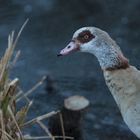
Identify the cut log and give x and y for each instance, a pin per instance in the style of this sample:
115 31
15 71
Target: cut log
76 103
72 113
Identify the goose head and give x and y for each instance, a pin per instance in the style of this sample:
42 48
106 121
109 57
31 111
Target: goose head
97 42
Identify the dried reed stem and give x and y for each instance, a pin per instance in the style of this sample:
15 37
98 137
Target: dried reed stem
42 117
45 129
62 125
45 137
32 89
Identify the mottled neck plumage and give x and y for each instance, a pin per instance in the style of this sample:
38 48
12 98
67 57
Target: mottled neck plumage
111 57
119 62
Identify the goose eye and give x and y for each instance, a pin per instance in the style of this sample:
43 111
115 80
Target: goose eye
86 36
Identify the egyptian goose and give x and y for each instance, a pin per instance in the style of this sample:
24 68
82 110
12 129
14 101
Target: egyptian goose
122 79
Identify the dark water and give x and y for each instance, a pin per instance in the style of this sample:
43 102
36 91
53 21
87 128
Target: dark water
50 27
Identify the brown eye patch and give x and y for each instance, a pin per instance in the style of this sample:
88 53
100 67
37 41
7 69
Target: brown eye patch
85 36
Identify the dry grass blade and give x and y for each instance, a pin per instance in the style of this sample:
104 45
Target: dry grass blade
19 33
12 120
6 134
42 117
7 97
21 94
16 58
22 113
3 136
32 89
8 54
45 129
27 137
7 94
62 125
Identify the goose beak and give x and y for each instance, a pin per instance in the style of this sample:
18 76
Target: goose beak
73 46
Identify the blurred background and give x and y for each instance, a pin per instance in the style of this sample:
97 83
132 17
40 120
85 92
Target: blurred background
50 27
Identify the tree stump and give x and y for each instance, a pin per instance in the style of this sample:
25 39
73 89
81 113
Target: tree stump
72 113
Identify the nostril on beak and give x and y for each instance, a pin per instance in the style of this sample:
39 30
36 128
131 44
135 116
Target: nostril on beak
69 47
